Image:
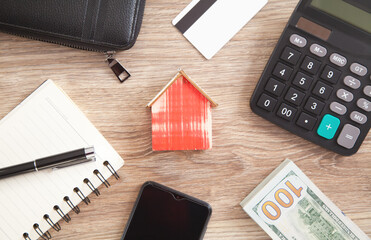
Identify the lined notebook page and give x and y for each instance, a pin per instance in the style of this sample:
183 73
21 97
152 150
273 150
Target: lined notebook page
46 123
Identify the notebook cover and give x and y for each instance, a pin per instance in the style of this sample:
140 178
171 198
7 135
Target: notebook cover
46 123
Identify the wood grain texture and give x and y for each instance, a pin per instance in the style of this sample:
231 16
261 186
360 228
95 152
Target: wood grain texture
245 147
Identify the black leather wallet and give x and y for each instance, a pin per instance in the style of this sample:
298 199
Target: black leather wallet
96 25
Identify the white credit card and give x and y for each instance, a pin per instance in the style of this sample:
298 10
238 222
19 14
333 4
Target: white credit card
210 24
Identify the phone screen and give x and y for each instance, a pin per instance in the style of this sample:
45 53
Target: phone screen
162 213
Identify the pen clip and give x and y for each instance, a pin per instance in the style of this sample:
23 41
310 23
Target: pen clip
75 162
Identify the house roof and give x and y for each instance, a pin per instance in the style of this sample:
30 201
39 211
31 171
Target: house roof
182 73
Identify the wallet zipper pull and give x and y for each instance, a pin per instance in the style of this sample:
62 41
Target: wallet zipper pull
120 71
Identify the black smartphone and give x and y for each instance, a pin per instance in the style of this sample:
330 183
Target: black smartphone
162 213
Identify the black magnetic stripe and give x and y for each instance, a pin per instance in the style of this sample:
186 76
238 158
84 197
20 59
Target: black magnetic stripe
193 15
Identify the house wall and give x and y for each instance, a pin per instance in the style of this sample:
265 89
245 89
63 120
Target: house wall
181 119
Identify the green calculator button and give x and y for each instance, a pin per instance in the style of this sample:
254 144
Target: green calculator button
328 126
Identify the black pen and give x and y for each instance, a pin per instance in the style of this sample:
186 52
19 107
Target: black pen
56 161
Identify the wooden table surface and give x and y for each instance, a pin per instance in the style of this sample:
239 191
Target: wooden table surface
246 148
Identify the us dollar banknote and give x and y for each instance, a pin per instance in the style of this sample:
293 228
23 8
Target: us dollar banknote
288 206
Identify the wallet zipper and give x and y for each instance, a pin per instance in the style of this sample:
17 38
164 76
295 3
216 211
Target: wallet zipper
117 68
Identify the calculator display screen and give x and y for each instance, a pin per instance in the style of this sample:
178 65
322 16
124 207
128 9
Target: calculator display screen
346 12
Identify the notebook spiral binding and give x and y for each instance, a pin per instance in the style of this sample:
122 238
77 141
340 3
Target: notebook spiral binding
111 169
74 208
55 226
25 236
91 186
101 178
86 200
66 217
44 235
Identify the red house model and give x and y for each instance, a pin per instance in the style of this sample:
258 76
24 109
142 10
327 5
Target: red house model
181 116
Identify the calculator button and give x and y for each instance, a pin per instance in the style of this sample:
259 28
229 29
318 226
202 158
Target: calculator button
314 106
358 69
282 71
364 104
338 60
275 87
328 126
344 95
330 74
294 96
267 103
322 90
286 112
311 65
352 82
318 50
302 81
290 55
358 117
338 108
367 91
306 121
348 136
298 41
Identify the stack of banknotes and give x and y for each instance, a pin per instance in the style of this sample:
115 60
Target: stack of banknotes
287 205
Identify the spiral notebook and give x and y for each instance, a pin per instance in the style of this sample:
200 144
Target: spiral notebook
46 123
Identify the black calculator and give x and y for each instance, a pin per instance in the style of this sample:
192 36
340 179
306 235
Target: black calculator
317 83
